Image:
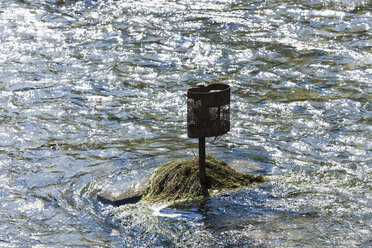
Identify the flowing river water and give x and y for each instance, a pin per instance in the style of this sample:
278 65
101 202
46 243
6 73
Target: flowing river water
93 95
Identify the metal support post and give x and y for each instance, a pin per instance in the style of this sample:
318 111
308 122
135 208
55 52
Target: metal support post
202 171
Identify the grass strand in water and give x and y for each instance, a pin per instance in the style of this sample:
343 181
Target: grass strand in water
178 180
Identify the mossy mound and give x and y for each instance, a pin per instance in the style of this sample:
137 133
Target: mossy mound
178 180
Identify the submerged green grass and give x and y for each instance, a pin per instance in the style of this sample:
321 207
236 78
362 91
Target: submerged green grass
179 180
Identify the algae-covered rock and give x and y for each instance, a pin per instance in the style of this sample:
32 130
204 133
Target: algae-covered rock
179 180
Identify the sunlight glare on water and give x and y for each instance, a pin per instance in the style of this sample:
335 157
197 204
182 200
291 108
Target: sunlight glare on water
93 96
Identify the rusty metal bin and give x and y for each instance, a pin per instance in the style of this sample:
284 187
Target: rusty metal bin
208 110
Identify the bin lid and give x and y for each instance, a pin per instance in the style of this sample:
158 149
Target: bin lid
212 95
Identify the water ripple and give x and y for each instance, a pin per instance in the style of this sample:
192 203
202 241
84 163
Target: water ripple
92 94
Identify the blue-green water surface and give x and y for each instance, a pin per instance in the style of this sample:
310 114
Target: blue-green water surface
93 94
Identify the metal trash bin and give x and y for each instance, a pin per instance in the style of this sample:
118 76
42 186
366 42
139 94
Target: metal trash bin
208 110
208 114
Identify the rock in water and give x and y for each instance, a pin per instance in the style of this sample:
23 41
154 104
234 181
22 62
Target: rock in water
179 180
126 194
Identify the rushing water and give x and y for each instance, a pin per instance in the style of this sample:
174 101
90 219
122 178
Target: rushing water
92 95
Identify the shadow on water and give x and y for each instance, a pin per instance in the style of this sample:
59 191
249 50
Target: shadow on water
232 219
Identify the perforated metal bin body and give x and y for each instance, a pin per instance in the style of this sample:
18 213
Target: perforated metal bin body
208 111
